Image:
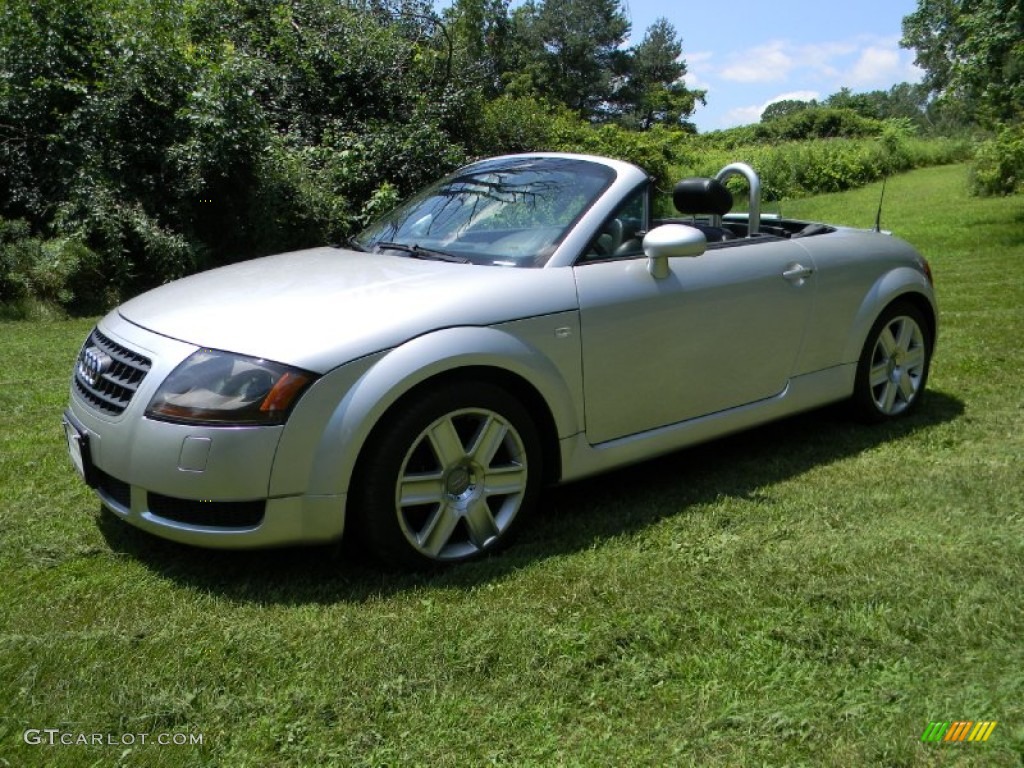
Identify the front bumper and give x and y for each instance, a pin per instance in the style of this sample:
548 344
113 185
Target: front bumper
207 486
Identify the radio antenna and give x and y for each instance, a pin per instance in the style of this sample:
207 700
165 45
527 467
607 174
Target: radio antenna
878 216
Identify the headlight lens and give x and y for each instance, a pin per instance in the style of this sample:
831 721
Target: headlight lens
212 387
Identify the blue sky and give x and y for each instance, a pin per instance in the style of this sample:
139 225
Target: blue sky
749 54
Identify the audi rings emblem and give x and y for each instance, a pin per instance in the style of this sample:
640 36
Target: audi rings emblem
92 364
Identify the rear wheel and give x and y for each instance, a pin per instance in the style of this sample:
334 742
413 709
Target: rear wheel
893 367
447 478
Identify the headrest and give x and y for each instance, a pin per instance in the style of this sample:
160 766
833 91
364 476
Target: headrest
702 196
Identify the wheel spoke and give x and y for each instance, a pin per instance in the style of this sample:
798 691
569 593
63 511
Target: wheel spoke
505 481
438 530
421 489
888 397
488 441
482 527
907 386
905 334
446 443
915 359
887 341
879 375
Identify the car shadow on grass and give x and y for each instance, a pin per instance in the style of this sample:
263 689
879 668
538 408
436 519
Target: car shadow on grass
571 518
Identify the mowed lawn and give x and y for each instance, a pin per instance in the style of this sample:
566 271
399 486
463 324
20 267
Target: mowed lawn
814 592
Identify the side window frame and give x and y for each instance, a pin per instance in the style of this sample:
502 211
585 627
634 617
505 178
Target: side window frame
594 254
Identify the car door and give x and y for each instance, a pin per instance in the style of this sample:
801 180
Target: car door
721 330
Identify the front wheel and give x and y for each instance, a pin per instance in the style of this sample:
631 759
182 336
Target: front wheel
893 367
447 478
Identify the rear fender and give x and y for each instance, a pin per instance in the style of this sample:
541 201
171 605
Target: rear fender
903 282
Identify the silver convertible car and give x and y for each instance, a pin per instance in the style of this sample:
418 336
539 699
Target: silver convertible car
526 320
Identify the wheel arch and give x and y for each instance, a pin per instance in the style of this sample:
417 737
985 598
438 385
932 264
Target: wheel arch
904 284
513 383
925 307
551 395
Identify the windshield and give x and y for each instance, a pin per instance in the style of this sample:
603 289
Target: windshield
505 212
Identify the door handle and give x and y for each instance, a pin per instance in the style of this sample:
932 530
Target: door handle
797 273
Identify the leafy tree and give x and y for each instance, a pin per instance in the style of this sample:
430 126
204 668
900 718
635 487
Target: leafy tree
864 104
971 51
785 108
481 31
163 135
904 101
909 100
817 123
652 89
566 51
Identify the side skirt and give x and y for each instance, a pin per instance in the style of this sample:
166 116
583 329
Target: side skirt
581 459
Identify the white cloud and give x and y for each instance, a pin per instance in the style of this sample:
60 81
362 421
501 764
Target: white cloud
820 59
740 116
881 64
875 65
741 80
778 60
762 64
752 114
791 96
865 61
698 69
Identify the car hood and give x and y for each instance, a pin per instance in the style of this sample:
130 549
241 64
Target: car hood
322 307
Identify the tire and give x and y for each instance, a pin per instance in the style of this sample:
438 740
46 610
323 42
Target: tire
893 368
448 478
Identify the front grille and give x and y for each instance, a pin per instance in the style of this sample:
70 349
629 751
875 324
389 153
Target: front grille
107 375
212 514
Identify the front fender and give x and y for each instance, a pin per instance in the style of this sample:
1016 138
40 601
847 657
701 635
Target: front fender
318 454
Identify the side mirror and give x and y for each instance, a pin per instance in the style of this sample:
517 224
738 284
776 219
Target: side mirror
669 240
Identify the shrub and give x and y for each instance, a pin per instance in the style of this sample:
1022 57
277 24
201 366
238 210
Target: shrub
524 124
998 167
55 272
515 124
818 123
797 169
167 137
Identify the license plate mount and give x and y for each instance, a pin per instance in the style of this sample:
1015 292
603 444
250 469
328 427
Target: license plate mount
78 450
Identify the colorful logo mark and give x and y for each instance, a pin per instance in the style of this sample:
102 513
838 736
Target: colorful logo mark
962 730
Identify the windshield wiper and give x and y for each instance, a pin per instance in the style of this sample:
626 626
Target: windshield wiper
351 243
418 252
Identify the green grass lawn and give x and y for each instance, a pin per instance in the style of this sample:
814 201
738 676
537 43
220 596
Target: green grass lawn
810 593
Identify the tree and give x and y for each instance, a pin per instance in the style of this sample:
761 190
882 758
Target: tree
972 51
165 135
909 100
567 51
652 89
864 104
480 30
817 122
779 109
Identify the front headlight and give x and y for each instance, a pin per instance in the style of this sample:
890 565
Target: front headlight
221 388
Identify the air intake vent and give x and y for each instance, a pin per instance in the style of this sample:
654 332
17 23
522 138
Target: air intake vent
211 514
